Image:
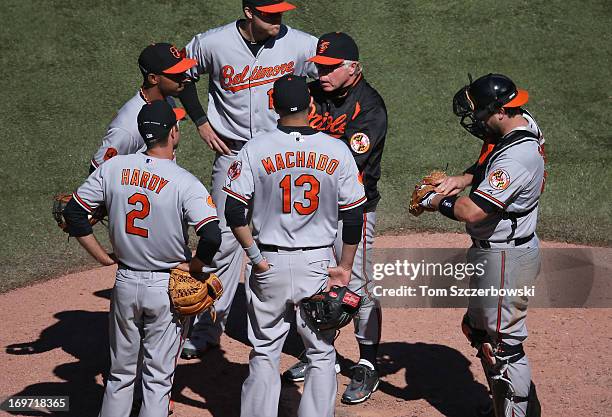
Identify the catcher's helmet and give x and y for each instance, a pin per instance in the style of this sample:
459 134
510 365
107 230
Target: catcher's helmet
483 97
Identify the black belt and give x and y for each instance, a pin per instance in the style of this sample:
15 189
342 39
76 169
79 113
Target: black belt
274 248
124 266
486 244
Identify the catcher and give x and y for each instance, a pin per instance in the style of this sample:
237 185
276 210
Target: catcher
294 180
500 213
151 201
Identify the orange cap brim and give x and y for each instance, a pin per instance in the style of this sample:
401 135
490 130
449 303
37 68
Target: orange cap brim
182 66
325 60
276 8
179 113
521 98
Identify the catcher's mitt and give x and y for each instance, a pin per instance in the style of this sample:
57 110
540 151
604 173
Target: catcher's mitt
60 201
191 296
331 310
422 189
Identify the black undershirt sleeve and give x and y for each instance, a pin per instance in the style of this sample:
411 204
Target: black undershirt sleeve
484 204
210 241
191 102
352 224
235 212
76 219
471 170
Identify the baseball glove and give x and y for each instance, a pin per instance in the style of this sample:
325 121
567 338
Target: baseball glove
60 201
191 296
331 310
422 189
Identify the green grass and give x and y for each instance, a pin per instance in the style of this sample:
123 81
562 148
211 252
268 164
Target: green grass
67 66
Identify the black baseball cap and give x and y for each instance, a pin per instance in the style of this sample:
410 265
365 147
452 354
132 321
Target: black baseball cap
290 94
164 58
334 48
156 119
269 6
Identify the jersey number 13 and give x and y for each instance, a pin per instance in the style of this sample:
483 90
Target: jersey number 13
311 194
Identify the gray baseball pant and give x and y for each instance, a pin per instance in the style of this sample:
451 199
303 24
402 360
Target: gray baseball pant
369 319
228 263
504 318
272 298
141 312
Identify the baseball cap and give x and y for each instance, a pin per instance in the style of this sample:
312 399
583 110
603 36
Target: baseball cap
164 58
269 6
290 94
334 48
156 119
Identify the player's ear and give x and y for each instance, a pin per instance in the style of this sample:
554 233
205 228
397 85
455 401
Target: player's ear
153 79
248 13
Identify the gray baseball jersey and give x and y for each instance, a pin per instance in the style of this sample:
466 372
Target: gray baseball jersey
122 136
297 182
513 181
240 84
150 203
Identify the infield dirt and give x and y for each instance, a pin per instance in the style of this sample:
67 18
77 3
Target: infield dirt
55 342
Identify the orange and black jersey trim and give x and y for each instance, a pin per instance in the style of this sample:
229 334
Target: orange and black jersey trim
357 116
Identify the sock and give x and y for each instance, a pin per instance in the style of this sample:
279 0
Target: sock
367 354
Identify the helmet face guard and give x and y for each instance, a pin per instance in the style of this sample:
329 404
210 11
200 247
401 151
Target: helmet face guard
471 120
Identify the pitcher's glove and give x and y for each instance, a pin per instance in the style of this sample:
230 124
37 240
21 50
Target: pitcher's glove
60 201
189 295
331 310
423 189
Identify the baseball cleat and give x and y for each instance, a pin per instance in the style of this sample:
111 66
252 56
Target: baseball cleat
363 383
297 372
193 351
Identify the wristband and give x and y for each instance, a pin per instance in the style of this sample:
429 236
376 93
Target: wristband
446 207
426 202
254 254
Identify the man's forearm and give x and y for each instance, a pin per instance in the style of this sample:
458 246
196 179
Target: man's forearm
93 247
348 256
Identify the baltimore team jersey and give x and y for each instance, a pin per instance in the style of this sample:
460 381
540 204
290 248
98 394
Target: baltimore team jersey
296 180
122 136
141 191
508 183
359 119
240 84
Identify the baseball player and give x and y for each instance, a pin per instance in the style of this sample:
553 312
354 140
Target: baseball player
163 69
500 213
294 180
243 59
151 201
345 106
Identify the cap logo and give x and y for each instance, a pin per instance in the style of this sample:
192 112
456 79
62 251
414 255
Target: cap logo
323 46
293 109
175 52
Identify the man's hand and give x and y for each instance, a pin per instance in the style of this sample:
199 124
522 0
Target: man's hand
454 185
213 141
261 267
338 275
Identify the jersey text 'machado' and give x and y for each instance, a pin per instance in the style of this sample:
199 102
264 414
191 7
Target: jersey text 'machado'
298 159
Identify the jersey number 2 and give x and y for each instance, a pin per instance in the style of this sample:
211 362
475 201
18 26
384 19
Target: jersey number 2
145 208
312 194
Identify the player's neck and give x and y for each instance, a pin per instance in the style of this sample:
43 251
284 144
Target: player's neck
293 120
247 32
161 152
513 123
151 94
